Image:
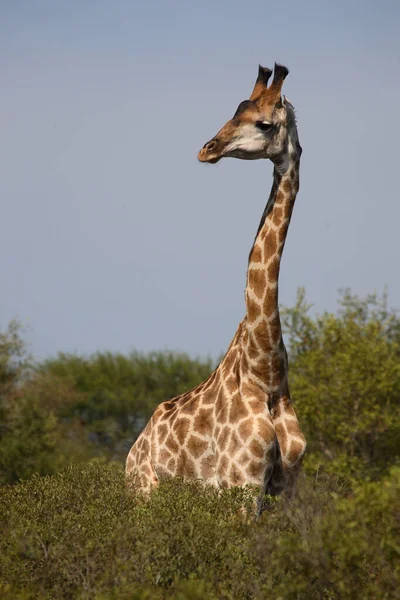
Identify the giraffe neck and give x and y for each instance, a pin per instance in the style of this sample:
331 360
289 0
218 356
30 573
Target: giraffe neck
264 350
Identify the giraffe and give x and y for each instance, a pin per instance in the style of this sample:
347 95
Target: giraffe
239 427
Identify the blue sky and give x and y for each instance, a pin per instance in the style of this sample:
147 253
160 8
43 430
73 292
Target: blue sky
113 236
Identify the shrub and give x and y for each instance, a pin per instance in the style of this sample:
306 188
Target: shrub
345 380
80 534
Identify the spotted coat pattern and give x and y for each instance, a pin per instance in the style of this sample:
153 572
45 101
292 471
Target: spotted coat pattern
239 426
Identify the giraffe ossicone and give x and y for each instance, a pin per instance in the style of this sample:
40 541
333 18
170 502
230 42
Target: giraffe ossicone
239 426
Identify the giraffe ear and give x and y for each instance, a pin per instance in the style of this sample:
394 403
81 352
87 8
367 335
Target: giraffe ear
286 102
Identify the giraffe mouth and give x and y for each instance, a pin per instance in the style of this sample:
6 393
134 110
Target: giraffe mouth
203 157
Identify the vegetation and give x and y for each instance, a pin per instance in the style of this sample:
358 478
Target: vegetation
71 530
345 377
79 534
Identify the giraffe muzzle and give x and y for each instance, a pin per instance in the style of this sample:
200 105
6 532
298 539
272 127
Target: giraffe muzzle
209 152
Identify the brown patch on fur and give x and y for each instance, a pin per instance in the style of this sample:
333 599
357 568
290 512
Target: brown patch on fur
171 444
130 461
288 406
258 406
167 414
256 449
244 363
261 335
162 431
223 438
231 384
282 231
209 396
189 407
228 362
223 465
253 310
257 281
247 389
173 418
209 381
293 428
145 446
171 464
253 392
244 458
276 334
234 445
246 429
203 422
277 409
287 186
220 400
235 475
256 255
296 449
139 442
185 466
146 469
261 369
207 467
273 269
164 456
271 244
255 469
237 410
196 446
282 437
222 416
265 429
168 405
277 215
181 428
221 409
253 352
270 301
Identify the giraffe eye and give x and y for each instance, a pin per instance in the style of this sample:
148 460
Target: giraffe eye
263 125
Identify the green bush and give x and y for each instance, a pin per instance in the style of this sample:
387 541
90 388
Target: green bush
345 380
344 375
80 534
117 394
34 439
73 408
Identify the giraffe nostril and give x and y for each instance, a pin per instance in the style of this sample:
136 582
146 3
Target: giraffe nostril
210 145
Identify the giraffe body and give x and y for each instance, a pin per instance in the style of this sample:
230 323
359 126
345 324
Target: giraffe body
225 432
239 427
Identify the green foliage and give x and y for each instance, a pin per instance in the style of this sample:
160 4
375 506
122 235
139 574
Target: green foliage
33 437
14 359
117 394
72 408
345 378
80 534
345 381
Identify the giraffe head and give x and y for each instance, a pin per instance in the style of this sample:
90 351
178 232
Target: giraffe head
260 127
